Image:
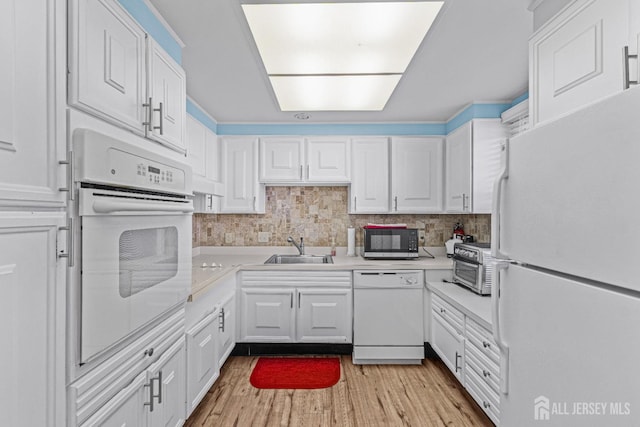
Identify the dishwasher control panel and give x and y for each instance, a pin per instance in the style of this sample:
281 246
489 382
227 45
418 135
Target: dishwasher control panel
388 278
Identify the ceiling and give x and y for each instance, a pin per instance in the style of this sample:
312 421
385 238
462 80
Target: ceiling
476 51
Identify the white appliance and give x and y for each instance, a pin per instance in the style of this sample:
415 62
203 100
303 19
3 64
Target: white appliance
135 209
566 310
388 316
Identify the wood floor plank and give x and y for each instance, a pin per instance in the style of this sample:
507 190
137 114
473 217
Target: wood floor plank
365 396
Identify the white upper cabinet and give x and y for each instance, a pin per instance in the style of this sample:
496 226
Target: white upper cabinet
32 102
118 73
196 146
370 181
416 174
281 159
296 160
243 193
212 153
472 164
328 159
167 97
107 54
577 57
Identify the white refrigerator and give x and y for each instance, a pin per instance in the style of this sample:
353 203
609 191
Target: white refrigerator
566 309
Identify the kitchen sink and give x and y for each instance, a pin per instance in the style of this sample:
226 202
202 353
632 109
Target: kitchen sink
299 259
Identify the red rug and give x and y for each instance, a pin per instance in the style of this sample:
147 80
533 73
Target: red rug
296 372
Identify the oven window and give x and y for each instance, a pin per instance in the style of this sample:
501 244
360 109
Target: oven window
147 257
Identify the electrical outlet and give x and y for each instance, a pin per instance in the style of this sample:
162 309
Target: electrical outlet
228 238
421 235
264 237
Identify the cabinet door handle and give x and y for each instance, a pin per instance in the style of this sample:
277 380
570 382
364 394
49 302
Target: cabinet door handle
70 253
159 387
464 202
457 357
395 200
626 77
70 177
301 172
291 299
355 203
308 171
151 395
254 203
160 110
222 320
149 123
299 299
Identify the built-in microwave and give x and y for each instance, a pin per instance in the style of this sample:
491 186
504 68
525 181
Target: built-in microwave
389 243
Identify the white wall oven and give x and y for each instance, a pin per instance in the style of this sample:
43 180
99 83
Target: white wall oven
135 211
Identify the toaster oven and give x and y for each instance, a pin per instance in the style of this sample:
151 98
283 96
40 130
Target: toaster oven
473 266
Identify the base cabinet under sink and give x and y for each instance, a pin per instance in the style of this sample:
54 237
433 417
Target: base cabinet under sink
295 307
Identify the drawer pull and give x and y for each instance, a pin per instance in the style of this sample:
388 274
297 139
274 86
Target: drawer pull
486 404
457 357
486 373
486 344
149 352
442 310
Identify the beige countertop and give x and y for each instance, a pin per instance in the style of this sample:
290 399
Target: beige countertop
473 305
229 260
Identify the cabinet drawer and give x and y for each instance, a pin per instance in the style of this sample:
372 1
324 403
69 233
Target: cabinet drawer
482 340
486 369
485 397
451 315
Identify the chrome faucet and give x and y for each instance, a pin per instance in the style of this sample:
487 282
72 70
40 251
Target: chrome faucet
300 246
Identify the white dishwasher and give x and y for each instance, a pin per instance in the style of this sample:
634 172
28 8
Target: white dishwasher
388 316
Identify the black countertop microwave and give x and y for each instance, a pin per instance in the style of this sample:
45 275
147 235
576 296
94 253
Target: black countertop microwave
389 243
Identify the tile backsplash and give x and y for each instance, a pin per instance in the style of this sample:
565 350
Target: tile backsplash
319 214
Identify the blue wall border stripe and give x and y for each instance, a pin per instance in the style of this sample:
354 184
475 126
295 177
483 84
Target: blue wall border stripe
201 116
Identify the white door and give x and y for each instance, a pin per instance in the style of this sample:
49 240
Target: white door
324 315
196 146
328 159
370 183
281 159
134 269
227 328
458 169
32 320
169 382
416 174
167 93
239 171
267 315
202 359
576 58
32 102
449 344
569 342
127 408
107 63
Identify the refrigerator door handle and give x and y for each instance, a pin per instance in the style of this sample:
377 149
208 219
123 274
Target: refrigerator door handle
495 211
497 329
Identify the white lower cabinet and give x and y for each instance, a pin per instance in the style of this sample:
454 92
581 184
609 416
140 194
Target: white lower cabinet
210 337
469 351
295 306
202 359
32 319
226 328
142 384
447 337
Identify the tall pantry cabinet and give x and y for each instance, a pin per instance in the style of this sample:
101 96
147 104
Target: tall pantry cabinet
33 170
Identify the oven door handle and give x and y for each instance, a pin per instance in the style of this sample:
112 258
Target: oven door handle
107 206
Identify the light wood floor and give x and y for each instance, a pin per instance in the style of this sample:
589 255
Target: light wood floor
366 395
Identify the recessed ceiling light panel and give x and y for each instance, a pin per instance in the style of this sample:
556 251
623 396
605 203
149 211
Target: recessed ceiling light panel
337 40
